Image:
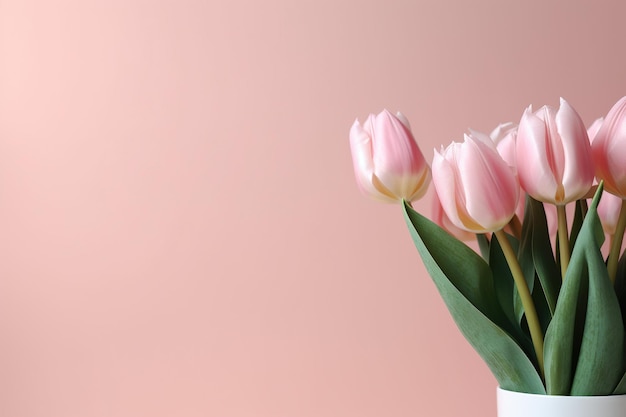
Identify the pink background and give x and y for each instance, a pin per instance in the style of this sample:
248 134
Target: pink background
180 230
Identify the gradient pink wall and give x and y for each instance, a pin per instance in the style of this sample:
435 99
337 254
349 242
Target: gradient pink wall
180 231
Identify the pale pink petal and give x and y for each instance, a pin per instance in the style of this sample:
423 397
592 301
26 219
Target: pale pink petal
555 154
593 129
483 137
439 216
503 130
368 125
491 189
445 184
578 171
608 210
533 167
506 148
404 120
361 147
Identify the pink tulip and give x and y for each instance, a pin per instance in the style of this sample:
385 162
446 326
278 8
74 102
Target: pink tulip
441 218
553 155
478 190
388 164
609 149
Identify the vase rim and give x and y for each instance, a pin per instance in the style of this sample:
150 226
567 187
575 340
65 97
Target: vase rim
511 392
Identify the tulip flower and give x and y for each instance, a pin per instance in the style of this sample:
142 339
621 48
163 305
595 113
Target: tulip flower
609 148
553 155
478 190
554 162
388 164
505 138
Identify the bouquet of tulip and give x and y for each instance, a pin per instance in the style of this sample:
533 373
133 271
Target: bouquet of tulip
545 313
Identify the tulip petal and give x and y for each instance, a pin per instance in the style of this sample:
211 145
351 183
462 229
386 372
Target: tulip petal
483 137
445 182
555 153
421 186
594 128
404 120
533 167
361 147
608 211
506 148
491 187
502 131
578 172
440 217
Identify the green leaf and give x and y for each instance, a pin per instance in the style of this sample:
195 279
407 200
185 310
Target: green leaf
538 264
541 305
620 285
621 386
543 260
592 363
465 283
483 246
579 215
506 291
620 290
526 241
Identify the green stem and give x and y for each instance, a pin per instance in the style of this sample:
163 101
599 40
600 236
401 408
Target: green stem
527 300
616 243
563 239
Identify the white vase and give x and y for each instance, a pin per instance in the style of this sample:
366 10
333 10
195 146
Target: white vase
517 404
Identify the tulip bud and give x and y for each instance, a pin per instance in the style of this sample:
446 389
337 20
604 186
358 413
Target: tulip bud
388 164
553 155
609 149
478 190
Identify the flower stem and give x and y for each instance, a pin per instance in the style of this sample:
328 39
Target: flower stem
616 243
527 300
563 239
